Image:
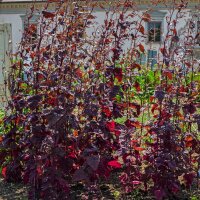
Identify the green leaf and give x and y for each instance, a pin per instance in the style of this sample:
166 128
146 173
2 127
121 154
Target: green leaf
120 120
197 77
118 98
194 198
116 194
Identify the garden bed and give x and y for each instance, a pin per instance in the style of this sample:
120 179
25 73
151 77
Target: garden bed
16 191
11 191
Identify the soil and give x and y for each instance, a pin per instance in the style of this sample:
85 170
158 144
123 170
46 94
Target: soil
12 191
16 191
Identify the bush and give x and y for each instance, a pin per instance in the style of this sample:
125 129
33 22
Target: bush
87 110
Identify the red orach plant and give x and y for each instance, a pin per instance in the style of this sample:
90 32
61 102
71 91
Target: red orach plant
83 112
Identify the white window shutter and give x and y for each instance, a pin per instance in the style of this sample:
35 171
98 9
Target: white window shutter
5 50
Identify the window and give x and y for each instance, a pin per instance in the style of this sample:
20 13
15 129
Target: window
141 59
152 58
198 32
80 29
154 31
31 26
32 32
5 49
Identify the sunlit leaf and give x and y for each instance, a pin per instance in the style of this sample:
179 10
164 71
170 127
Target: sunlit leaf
141 47
138 148
114 164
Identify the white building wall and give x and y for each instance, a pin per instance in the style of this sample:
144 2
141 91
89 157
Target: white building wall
16 24
17 27
158 15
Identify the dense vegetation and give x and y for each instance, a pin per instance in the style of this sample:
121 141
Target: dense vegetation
85 112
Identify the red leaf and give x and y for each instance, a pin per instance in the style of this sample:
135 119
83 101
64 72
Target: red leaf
169 75
162 50
182 89
110 126
128 123
137 124
136 182
75 133
146 17
137 86
169 88
141 47
116 53
62 12
3 172
98 65
189 144
135 105
181 117
26 64
79 73
141 29
48 14
135 65
138 148
39 170
106 111
33 27
91 16
101 6
188 138
52 101
107 41
152 98
121 16
40 77
134 141
32 54
115 164
72 155
154 107
118 74
174 31
117 132
188 64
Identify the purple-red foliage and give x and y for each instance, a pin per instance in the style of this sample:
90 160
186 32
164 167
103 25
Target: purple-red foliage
65 126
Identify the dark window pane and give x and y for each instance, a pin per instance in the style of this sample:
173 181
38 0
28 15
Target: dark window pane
152 55
154 31
198 26
151 25
141 59
158 25
198 32
157 35
151 35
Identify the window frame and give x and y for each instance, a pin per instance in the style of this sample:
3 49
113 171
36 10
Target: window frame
198 31
150 59
148 30
142 58
34 35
